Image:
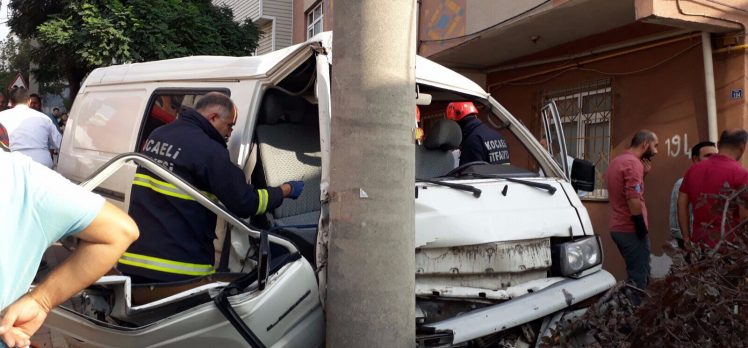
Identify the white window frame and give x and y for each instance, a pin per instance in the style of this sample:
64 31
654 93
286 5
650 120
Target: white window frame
311 21
583 120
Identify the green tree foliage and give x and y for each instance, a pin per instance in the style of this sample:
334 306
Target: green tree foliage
14 58
77 36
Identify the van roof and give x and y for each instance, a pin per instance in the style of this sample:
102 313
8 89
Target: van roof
223 68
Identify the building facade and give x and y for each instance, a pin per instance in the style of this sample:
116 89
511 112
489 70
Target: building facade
274 19
310 18
677 67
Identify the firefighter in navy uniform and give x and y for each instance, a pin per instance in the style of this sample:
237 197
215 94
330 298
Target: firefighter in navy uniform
176 240
479 142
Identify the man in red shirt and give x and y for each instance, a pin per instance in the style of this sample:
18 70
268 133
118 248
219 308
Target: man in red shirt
710 177
628 217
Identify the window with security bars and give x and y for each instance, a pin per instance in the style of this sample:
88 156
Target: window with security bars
586 112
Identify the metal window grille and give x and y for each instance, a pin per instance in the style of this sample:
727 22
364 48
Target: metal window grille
586 112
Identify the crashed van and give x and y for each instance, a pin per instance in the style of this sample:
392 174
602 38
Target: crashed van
503 252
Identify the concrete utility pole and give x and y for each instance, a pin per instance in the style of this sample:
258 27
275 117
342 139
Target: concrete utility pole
371 255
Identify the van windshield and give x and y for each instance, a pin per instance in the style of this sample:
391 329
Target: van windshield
460 132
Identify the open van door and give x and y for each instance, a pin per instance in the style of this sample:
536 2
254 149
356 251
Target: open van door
553 133
580 173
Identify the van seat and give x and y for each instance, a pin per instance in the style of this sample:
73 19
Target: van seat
434 158
288 149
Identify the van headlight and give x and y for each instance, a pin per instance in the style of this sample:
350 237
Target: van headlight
571 258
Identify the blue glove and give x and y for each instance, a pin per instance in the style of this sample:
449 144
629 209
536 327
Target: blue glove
296 188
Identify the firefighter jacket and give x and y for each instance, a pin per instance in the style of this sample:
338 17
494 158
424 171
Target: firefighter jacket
481 143
176 232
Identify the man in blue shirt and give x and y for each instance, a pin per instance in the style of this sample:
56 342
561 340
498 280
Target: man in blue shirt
37 208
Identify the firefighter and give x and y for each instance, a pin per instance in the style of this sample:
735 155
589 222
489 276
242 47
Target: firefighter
176 240
479 142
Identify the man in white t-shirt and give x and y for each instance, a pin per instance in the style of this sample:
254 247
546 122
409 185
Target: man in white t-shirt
31 132
37 207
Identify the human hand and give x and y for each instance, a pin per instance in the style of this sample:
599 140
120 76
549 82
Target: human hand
296 188
647 165
21 320
640 226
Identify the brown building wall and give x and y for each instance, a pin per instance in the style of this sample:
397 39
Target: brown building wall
299 22
300 7
669 99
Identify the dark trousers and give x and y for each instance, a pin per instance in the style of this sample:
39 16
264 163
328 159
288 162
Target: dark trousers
635 252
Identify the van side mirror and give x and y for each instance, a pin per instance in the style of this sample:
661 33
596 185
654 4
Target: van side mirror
582 175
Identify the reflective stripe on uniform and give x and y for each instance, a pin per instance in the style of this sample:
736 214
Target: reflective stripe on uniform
165 188
262 203
164 265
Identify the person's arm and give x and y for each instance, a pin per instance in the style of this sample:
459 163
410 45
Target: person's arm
102 242
647 166
684 217
633 181
229 184
743 213
635 206
673 218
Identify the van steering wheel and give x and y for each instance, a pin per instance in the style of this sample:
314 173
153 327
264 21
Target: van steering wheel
463 167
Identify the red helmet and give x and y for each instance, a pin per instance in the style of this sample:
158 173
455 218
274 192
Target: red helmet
458 110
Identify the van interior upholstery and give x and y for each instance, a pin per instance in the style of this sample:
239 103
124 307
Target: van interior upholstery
287 136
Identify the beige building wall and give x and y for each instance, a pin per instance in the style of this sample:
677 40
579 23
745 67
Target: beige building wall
281 12
265 44
274 18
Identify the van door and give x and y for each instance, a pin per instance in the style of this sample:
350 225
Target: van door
322 90
553 133
103 122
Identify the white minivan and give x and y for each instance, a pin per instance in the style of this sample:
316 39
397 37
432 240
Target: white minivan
503 252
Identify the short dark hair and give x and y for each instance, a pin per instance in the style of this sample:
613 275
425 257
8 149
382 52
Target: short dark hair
34 95
734 138
19 96
642 137
55 108
696 149
216 98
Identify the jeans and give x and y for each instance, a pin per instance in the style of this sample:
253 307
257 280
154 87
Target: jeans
636 253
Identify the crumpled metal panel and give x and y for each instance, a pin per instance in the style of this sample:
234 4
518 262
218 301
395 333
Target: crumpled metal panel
500 286
509 314
497 257
493 266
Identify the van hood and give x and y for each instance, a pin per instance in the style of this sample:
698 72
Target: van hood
505 211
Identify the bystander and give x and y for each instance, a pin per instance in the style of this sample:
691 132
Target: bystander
38 207
704 181
31 133
628 218
34 102
3 101
699 152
